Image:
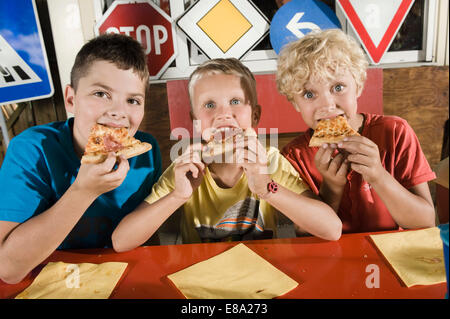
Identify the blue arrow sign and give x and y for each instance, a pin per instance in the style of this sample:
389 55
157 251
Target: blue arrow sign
298 17
24 70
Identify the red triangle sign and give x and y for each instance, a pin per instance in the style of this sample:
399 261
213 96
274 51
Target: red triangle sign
376 22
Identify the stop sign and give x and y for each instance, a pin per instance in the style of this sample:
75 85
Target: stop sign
148 24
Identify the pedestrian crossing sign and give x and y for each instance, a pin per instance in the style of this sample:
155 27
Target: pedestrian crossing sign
24 69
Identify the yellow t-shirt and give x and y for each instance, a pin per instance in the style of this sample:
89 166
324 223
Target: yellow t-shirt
223 214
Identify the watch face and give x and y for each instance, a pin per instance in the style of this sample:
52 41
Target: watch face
272 187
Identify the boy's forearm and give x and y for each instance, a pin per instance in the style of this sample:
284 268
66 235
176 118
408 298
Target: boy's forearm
138 226
310 214
34 240
407 209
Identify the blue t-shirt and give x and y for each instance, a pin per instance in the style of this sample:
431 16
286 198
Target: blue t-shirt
41 164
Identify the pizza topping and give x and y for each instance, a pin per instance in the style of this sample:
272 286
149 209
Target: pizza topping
224 140
110 144
221 134
104 139
331 131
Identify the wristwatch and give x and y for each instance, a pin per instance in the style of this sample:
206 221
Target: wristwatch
272 186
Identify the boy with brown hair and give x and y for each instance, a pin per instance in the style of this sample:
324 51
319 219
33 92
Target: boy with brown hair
48 199
375 181
231 200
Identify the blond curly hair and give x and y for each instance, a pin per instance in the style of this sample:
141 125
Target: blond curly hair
322 54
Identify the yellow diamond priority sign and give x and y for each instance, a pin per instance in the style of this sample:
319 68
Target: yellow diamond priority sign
217 25
224 28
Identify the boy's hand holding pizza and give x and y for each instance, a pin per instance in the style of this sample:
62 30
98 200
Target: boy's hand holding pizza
188 171
355 151
240 146
106 147
364 157
332 163
252 154
334 170
97 179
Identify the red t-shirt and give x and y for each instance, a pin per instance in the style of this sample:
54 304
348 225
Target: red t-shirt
361 210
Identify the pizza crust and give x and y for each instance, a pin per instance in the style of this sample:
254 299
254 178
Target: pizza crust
92 158
135 150
319 141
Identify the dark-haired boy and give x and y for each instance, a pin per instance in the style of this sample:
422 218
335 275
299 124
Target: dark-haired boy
48 199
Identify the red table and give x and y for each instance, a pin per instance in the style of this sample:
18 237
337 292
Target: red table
323 269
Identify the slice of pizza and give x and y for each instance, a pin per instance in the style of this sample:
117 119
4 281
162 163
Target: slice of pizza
104 139
223 140
331 131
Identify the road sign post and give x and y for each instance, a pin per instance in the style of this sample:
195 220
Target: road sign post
4 129
149 25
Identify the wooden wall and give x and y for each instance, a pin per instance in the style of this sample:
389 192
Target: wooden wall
420 95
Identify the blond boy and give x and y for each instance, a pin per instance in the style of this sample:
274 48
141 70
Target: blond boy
376 181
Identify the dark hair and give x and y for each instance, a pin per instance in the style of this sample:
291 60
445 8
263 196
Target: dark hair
121 50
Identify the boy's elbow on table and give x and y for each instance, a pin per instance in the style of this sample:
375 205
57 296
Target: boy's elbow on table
10 276
333 234
119 245
333 229
336 235
119 248
337 231
12 280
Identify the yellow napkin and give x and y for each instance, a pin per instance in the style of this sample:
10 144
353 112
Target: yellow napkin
417 256
237 273
74 281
